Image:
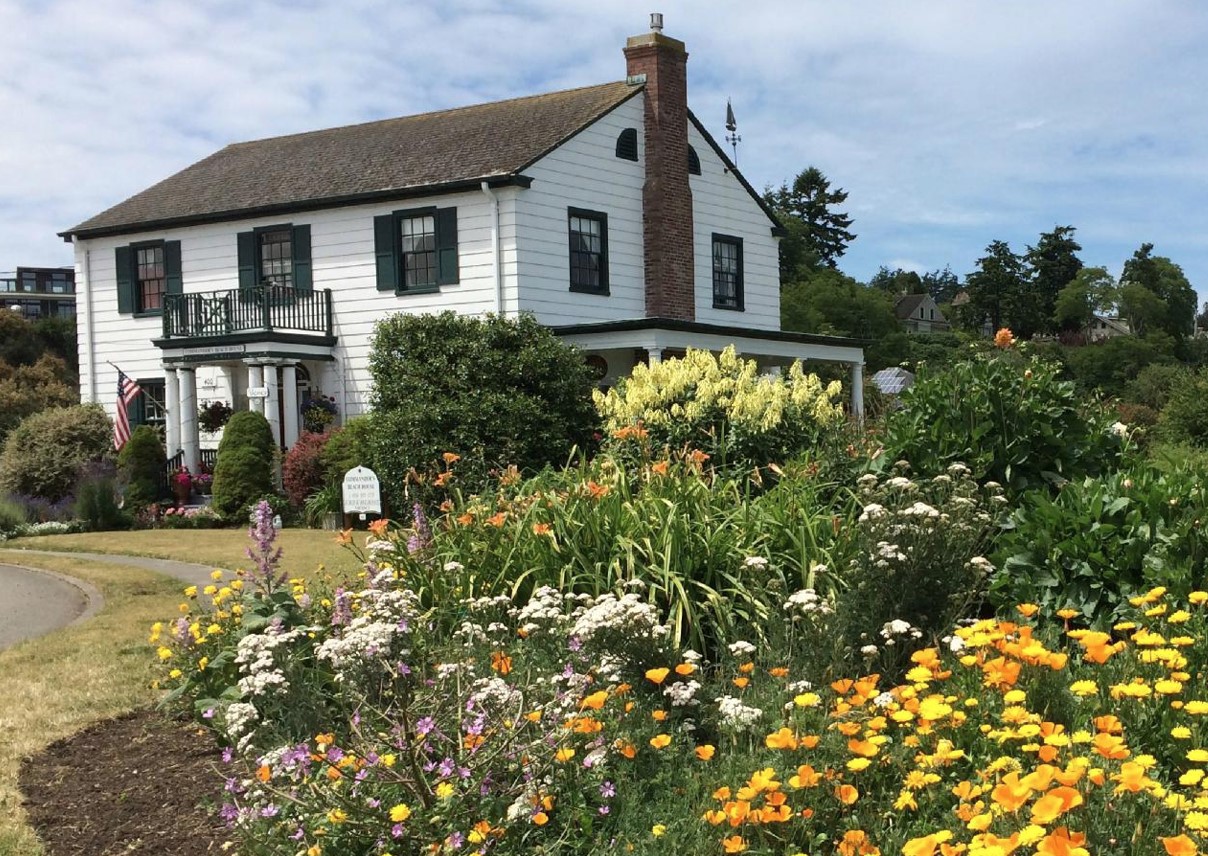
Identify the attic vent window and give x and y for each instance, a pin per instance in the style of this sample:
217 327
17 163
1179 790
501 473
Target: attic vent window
627 144
693 162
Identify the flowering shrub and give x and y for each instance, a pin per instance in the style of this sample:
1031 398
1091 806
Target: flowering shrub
362 721
189 518
723 406
213 415
319 413
1009 418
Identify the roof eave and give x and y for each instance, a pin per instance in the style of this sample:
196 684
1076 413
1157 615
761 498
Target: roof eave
461 185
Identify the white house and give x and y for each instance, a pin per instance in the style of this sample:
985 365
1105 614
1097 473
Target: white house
608 212
919 313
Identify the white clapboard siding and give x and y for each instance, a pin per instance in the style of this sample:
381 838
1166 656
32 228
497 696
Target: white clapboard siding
342 258
720 204
584 172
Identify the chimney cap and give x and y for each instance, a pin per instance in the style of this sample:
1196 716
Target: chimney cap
656 22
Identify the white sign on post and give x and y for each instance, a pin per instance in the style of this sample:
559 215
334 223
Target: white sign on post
362 492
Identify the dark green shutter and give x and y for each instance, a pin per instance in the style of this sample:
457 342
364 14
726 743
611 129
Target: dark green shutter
247 260
384 247
136 411
124 264
446 246
302 278
175 282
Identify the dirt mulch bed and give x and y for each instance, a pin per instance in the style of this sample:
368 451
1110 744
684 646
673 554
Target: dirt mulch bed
138 784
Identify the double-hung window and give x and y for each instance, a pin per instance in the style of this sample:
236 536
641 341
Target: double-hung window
727 272
146 273
276 257
588 234
416 250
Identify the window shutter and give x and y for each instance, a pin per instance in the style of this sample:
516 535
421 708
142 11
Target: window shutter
693 162
301 242
384 242
247 259
446 246
124 265
136 411
174 280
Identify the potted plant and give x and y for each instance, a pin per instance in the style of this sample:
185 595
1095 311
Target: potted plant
212 415
318 413
182 485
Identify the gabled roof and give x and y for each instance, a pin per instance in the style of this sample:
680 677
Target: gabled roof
392 158
908 303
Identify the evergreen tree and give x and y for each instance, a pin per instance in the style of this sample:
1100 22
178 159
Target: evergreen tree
942 285
1168 300
996 291
1053 265
817 235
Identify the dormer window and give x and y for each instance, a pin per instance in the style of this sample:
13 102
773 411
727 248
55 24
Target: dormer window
627 144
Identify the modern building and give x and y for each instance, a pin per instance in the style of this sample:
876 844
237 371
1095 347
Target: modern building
608 212
38 292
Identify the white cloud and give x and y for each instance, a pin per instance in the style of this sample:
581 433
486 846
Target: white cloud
949 123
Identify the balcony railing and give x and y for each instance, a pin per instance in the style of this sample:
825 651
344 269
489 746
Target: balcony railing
263 309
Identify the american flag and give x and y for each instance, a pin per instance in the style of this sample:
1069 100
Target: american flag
127 391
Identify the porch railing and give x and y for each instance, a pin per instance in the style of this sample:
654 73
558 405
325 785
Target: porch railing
265 308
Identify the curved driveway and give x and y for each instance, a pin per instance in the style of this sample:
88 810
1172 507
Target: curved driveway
33 603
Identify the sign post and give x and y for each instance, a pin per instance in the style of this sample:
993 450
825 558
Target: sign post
362 492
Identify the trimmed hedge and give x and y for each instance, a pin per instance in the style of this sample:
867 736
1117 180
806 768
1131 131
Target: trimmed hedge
244 471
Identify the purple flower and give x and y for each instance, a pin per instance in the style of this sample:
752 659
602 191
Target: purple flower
446 768
574 644
421 537
603 809
209 714
425 726
397 830
227 755
269 810
265 553
456 840
341 610
228 812
608 790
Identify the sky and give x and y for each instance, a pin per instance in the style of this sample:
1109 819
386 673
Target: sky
950 123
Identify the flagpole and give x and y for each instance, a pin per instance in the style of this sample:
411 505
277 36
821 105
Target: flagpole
142 389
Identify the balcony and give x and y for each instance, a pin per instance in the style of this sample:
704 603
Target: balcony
266 312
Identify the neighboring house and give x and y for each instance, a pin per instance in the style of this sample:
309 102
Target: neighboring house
38 292
1107 327
608 212
919 313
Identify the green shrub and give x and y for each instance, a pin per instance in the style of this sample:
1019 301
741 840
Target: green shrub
43 455
1154 384
348 447
496 391
1184 419
96 501
1101 540
1009 418
244 470
722 406
12 514
141 466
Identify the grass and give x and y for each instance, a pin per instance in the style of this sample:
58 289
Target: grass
57 684
303 549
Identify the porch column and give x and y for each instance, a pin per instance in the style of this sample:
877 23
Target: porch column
654 355
190 440
272 411
255 377
172 405
857 391
289 392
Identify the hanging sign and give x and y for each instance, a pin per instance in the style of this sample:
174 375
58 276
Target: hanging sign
362 492
257 392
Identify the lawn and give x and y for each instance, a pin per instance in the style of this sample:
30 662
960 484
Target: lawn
60 683
304 549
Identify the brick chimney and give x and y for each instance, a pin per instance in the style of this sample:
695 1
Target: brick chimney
666 196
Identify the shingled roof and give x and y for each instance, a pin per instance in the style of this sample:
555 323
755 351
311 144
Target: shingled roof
392 158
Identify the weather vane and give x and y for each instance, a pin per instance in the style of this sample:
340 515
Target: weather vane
733 137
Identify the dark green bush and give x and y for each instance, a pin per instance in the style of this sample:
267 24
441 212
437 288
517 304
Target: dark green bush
1184 419
141 465
43 455
496 391
1101 540
244 470
350 446
96 501
1009 418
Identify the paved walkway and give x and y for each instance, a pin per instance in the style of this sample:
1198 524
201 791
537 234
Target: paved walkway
35 602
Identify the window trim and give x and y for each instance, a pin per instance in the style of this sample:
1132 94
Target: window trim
136 283
601 218
739 286
136 411
258 234
390 260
